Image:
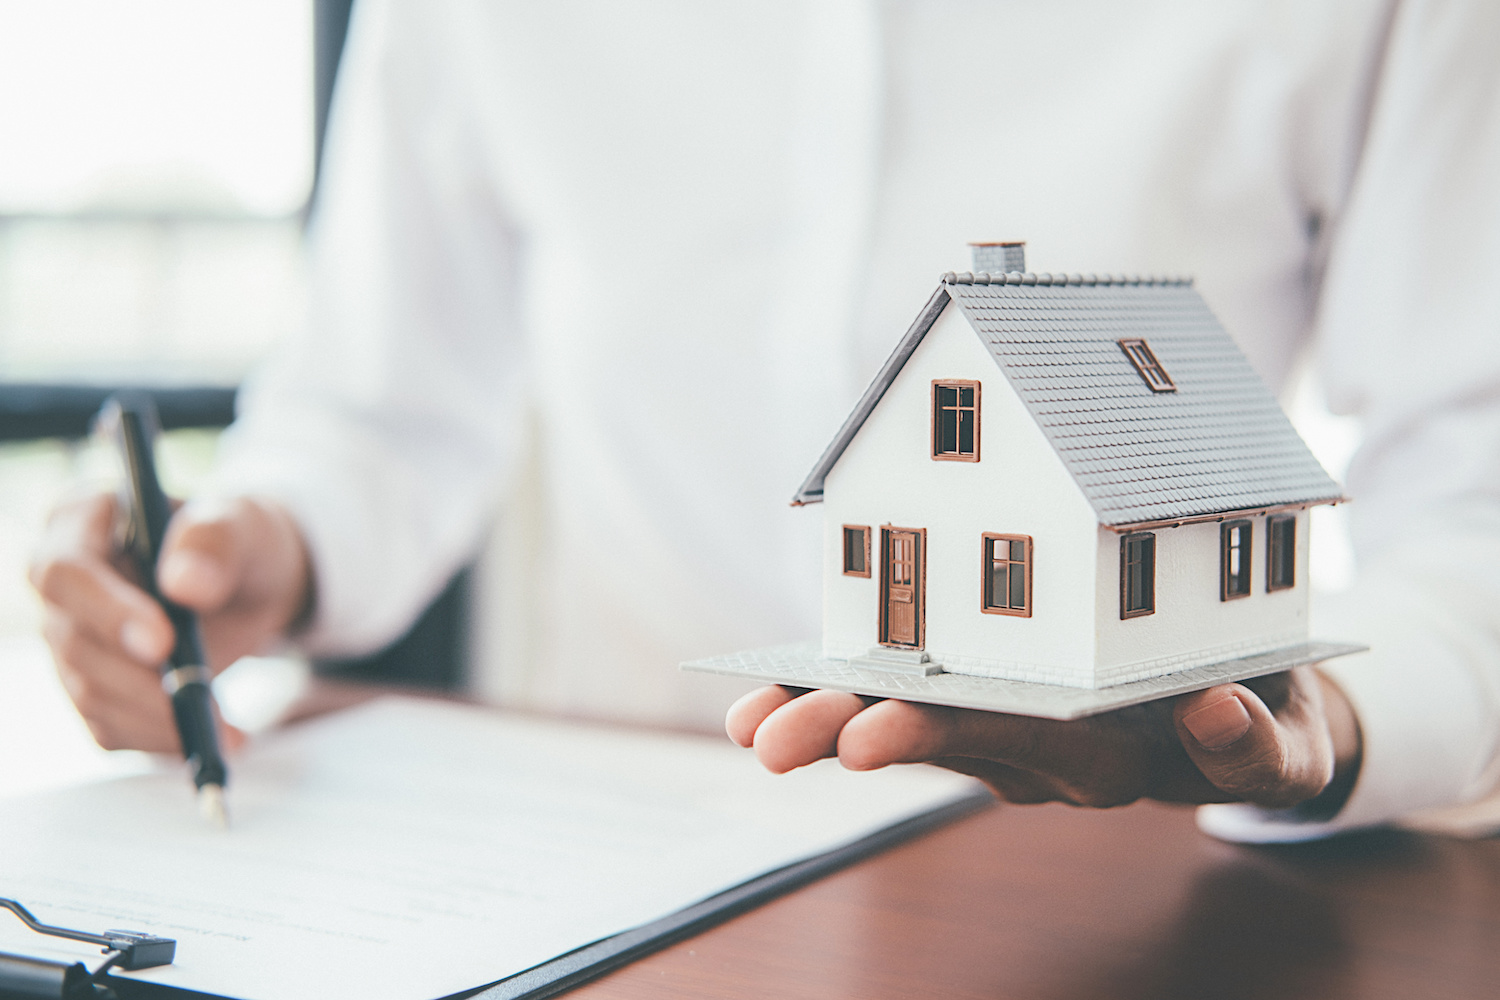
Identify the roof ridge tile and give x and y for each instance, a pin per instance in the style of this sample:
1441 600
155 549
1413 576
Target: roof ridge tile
1046 278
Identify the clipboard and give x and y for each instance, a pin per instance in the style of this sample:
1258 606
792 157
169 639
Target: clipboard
31 977
593 961
35 976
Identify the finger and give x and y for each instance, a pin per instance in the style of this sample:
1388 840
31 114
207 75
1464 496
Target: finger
231 738
1278 692
121 700
101 603
201 557
84 524
1248 751
903 732
804 729
745 716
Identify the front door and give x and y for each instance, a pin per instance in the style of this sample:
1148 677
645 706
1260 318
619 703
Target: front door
901 578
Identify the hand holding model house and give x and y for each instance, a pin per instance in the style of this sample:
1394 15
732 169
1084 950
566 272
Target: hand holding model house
1276 741
1068 499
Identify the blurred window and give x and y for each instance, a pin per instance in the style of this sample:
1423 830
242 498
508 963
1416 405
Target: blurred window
159 155
156 106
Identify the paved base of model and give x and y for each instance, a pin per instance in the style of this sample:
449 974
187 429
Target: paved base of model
803 665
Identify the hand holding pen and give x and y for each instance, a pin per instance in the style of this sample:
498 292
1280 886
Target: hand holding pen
240 564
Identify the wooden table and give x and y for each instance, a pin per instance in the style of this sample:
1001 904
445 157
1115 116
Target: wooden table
1051 902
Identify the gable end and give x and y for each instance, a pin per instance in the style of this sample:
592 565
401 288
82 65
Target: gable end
811 490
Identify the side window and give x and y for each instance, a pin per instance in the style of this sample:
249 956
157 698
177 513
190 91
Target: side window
1234 560
955 421
1281 552
1007 575
1137 575
856 550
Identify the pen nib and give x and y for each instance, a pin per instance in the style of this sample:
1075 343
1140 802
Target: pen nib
211 805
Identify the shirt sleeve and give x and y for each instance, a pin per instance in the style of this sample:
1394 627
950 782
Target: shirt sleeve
1409 340
389 424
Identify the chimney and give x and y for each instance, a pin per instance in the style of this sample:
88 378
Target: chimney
999 258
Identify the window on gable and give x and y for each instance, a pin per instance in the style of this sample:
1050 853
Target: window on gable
1144 359
1137 575
1234 560
1007 575
856 550
955 421
1281 552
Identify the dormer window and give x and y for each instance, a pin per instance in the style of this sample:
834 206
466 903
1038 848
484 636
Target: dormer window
1140 354
955 421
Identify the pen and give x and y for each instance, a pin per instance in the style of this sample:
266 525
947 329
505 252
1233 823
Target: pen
133 422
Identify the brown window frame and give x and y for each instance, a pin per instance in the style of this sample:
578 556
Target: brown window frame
1233 586
938 455
986 580
1126 611
863 529
1140 355
1279 527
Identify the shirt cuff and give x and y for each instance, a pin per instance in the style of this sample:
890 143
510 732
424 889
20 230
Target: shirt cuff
1426 710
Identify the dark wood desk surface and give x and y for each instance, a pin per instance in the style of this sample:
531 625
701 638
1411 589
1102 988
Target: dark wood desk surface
1058 903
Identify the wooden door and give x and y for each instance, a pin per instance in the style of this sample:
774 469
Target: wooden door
901 582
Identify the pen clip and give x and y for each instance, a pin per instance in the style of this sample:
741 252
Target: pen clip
130 423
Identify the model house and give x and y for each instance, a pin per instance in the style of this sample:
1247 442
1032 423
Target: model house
1060 480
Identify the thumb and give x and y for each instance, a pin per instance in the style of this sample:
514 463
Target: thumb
201 559
1243 748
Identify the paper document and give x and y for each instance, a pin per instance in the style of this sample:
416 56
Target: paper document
410 850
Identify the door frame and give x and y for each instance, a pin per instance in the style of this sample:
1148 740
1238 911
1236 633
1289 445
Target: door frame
919 582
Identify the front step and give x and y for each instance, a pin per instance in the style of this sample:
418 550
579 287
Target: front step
898 661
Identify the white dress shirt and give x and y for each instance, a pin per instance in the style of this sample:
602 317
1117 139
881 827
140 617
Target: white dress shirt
618 271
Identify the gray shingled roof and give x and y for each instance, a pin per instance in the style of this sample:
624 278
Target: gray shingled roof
1220 443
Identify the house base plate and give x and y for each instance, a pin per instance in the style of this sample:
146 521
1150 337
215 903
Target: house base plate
803 665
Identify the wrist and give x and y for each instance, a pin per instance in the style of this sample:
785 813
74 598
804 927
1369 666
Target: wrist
1348 752
293 575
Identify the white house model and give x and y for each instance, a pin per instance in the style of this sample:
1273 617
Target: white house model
1061 494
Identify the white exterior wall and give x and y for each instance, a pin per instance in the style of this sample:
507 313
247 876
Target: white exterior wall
888 477
1191 626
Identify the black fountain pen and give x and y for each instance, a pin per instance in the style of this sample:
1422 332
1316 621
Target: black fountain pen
133 423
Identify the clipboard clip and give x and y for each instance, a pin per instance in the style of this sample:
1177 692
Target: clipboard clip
36 977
